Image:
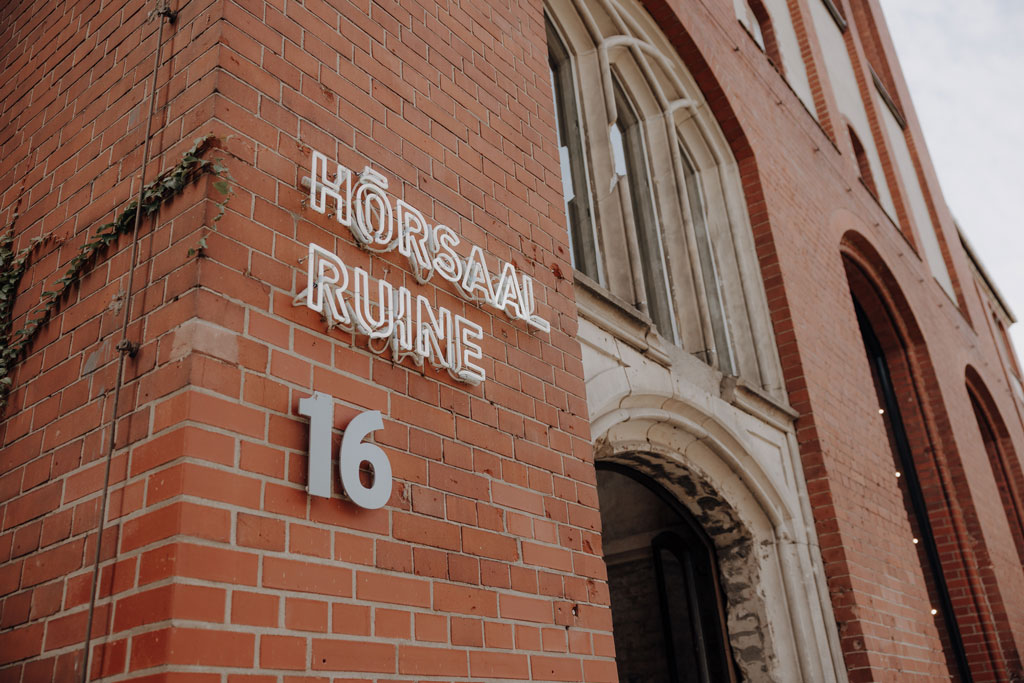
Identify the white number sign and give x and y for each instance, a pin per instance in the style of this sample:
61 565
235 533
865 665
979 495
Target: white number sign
319 408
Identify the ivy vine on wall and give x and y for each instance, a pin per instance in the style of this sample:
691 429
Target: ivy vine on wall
13 264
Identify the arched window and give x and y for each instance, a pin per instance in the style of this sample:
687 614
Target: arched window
760 23
930 476
1006 468
673 241
908 439
914 498
667 608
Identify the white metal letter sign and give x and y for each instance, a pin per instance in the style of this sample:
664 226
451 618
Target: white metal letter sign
393 317
319 408
396 318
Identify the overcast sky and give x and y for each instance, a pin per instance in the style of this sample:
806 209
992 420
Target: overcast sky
964 63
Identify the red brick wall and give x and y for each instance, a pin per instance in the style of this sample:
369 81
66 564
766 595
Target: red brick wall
74 102
486 560
804 200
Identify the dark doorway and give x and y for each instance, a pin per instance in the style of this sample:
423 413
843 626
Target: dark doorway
667 608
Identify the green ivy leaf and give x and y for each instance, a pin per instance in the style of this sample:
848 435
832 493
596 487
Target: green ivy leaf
13 264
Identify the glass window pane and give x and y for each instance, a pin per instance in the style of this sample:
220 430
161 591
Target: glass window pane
682 630
722 356
630 159
582 238
618 150
563 149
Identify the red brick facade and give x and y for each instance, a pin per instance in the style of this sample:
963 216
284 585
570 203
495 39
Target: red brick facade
486 563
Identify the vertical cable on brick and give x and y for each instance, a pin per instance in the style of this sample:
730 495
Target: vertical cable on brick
125 347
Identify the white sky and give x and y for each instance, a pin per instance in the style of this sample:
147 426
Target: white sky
964 63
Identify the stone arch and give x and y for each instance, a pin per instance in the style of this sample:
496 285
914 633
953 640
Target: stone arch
672 427
693 422
704 465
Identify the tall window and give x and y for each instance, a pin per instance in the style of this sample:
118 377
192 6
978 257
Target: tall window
914 499
721 355
663 230
1004 465
583 244
629 159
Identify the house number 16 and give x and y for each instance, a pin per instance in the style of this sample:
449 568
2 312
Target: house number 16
319 408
